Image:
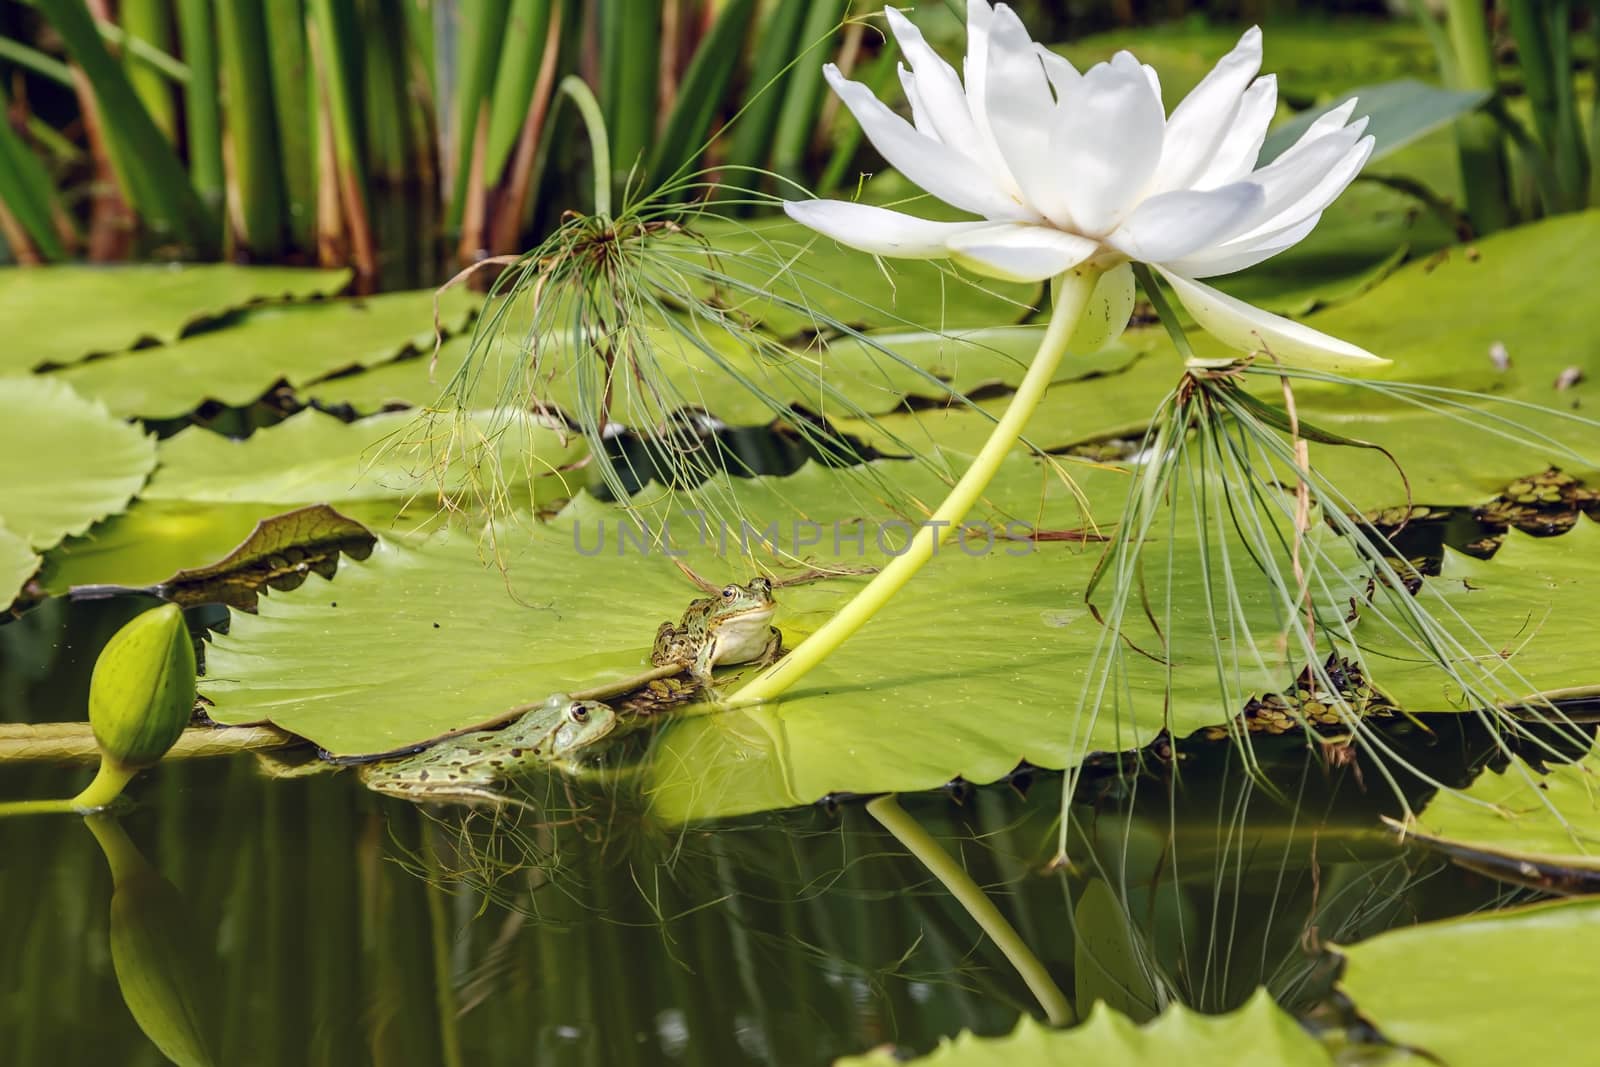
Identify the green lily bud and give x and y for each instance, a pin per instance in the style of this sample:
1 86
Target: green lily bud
142 693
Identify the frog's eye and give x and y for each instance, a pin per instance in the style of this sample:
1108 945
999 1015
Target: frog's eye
729 592
579 713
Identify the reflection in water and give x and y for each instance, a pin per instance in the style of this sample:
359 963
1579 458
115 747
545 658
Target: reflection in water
327 925
592 937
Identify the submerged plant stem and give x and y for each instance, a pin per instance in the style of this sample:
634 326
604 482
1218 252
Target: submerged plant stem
953 876
1071 298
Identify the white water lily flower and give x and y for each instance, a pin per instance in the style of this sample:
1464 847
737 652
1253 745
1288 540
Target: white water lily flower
1067 168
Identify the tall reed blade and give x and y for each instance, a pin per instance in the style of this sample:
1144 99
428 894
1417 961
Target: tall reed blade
201 103
700 93
152 174
255 181
291 97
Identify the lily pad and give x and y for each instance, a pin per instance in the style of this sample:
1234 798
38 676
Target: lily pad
278 554
313 457
17 564
791 280
65 461
155 539
1522 605
1544 326
1179 1035
296 343
59 315
1462 991
858 377
1540 826
998 627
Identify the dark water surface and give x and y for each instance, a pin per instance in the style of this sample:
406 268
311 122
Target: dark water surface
309 921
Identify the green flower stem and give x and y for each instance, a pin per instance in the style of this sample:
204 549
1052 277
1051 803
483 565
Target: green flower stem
953 876
578 91
107 786
109 782
1072 294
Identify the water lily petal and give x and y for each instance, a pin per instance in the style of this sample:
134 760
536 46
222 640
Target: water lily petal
1331 121
1250 329
1308 182
1020 106
943 171
1107 313
919 110
1241 145
1105 141
878 230
975 69
1175 224
1228 258
1016 252
938 86
1058 68
1199 124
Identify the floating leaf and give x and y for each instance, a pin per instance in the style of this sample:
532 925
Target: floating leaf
1521 606
1532 826
1461 990
1178 1036
59 315
64 461
313 457
944 701
925 364
776 263
297 343
278 554
1545 327
17 564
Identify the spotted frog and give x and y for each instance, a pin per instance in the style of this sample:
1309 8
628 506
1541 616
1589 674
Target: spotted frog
469 768
735 626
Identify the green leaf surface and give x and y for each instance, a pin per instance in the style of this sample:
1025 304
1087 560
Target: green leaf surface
278 554
896 708
297 343
59 315
1526 289
1260 1032
1520 606
1483 989
154 539
313 457
925 364
17 564
777 263
1540 825
64 461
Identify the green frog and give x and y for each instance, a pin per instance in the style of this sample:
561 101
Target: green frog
735 626
469 768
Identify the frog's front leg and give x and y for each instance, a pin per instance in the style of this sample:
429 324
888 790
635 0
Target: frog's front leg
773 650
704 660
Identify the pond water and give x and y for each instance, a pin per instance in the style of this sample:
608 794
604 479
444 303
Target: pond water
309 921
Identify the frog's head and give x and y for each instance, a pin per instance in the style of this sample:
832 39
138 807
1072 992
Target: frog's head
749 605
580 723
